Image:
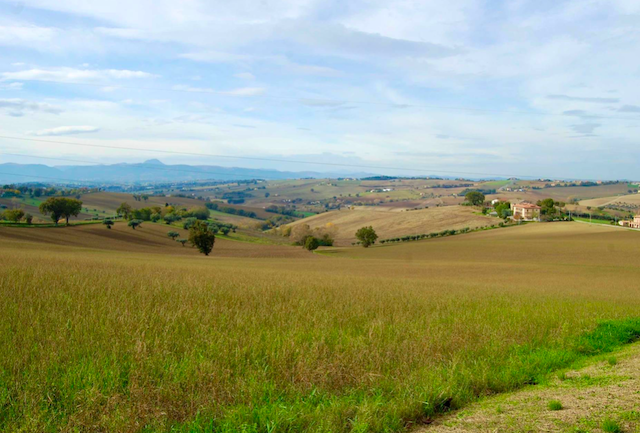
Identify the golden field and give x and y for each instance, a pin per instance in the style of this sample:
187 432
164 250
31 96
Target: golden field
392 222
97 336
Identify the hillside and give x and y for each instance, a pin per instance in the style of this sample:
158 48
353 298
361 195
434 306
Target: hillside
149 238
393 222
113 330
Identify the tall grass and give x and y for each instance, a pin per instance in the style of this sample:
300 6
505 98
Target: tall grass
100 341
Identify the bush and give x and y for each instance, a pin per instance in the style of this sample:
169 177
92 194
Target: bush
311 243
554 405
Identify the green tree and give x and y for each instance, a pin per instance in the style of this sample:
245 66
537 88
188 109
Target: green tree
171 217
476 198
61 207
503 209
367 236
173 235
201 236
135 223
13 215
28 218
225 230
108 223
311 243
182 241
125 210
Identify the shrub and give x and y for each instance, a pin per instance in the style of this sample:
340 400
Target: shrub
108 223
173 235
182 241
311 243
554 405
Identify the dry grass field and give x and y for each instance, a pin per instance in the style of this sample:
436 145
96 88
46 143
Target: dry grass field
391 222
633 199
95 337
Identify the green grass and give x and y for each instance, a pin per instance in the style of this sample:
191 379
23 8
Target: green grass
593 221
554 405
610 426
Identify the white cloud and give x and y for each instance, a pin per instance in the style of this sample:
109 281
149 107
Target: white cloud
18 107
66 130
74 75
242 91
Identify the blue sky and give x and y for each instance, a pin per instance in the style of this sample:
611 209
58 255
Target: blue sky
531 88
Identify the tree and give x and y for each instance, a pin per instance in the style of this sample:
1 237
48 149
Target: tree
125 210
225 230
182 241
13 215
171 217
476 198
135 223
60 207
300 233
28 218
199 212
367 236
173 235
311 243
202 237
108 223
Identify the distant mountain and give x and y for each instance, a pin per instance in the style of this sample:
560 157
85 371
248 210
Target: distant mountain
152 170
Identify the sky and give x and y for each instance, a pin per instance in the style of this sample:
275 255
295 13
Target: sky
516 88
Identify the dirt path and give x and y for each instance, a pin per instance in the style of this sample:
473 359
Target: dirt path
603 397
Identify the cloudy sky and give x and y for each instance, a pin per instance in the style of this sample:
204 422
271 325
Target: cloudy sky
546 88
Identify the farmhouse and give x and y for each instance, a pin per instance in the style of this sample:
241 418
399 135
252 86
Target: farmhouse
526 211
635 224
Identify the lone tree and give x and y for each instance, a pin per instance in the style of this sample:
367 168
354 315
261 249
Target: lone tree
135 223
28 218
125 210
201 236
182 241
60 207
311 243
476 198
14 215
108 223
173 235
367 236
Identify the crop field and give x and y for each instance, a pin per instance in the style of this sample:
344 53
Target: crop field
632 199
391 222
125 331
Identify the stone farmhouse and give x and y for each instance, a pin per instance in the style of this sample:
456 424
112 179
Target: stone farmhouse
635 224
526 211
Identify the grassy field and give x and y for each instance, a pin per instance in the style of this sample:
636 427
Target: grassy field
122 330
391 222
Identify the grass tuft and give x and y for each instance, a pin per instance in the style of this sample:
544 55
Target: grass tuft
610 426
554 405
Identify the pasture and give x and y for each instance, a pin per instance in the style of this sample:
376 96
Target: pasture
126 331
392 222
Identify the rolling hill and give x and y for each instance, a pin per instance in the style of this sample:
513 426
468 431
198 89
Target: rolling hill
393 222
